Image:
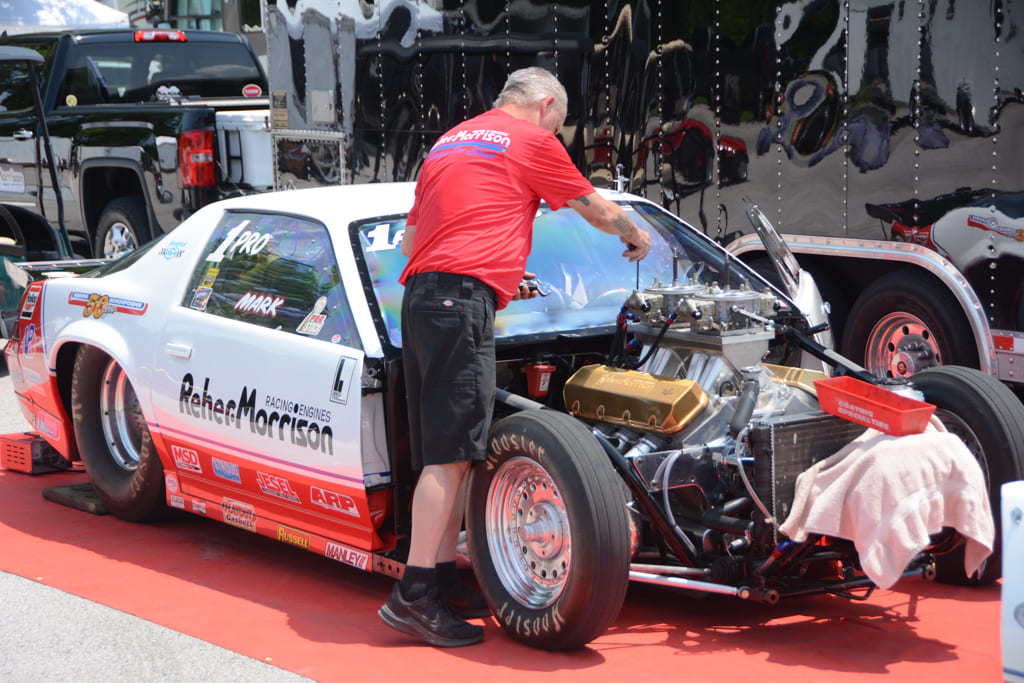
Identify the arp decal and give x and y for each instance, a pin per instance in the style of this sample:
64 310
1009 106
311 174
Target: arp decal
98 305
279 487
186 459
261 304
226 470
336 502
237 513
340 553
298 430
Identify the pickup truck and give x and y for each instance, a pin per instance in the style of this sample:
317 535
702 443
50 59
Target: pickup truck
146 127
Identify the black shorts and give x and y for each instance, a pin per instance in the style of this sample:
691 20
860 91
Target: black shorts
448 353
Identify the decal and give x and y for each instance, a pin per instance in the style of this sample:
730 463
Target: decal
992 225
342 380
211 276
314 322
30 304
171 482
26 342
200 298
252 90
340 553
299 431
335 338
47 425
176 502
237 513
11 180
260 304
276 486
32 377
292 536
338 502
199 507
380 238
300 409
250 242
186 459
173 250
98 305
168 93
226 470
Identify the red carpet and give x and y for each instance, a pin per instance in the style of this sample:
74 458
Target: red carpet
309 615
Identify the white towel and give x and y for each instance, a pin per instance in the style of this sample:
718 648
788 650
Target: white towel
887 494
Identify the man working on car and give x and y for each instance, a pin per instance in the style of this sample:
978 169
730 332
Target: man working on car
468 236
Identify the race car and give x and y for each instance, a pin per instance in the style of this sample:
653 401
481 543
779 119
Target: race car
652 420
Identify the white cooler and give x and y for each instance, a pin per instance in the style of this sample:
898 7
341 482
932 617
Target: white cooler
1012 494
245 149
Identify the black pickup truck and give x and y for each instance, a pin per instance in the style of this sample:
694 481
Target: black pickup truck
146 126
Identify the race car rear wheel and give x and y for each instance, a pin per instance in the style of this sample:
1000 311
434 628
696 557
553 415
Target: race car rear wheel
548 531
113 439
989 419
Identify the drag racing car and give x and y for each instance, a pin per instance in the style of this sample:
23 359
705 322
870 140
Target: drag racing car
654 421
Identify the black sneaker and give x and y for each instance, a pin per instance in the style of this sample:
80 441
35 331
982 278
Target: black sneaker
428 618
466 603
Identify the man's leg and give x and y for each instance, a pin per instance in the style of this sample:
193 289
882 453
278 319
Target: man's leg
437 507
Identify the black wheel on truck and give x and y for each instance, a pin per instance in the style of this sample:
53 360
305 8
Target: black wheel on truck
989 418
123 227
113 439
905 322
548 531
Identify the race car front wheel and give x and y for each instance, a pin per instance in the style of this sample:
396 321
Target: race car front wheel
113 438
989 419
548 531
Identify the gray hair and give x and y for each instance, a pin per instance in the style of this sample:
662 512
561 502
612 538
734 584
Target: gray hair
526 87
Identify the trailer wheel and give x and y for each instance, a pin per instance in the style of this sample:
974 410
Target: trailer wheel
113 439
905 322
548 531
123 227
989 419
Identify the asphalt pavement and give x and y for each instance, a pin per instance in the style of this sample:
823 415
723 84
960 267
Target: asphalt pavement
49 635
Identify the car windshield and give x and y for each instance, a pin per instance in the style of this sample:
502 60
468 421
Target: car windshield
581 272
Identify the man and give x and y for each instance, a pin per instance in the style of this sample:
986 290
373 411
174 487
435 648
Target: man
468 236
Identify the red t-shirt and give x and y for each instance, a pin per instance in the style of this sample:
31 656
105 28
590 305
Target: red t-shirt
477 196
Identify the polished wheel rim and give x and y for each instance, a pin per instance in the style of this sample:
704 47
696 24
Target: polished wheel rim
528 533
900 345
119 240
121 418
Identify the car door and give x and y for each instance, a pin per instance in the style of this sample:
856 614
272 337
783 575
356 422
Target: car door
19 151
257 396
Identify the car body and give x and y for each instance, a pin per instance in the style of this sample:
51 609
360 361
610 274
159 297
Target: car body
247 367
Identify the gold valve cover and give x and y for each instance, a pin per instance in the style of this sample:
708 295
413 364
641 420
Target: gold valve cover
633 399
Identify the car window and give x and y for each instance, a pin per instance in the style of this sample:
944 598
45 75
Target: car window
15 87
581 270
274 271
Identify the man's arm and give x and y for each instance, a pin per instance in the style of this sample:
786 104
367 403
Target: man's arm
608 217
410 231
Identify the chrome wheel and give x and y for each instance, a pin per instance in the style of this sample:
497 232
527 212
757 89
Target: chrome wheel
120 240
121 418
528 532
900 345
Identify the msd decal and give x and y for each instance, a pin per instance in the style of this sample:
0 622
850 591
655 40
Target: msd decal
336 502
340 553
276 486
186 459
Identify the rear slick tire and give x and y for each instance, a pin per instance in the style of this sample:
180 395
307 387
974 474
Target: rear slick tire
114 440
548 531
989 419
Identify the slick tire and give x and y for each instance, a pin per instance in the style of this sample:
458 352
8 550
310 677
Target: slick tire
548 531
989 418
113 439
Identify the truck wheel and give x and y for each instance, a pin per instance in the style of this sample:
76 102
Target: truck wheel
548 531
905 322
113 439
987 416
123 227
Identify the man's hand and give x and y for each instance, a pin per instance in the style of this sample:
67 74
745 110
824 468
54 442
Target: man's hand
638 241
608 217
526 291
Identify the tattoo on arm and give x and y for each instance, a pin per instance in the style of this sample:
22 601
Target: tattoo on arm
623 225
583 200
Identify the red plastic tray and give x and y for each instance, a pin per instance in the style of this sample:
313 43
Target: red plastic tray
873 406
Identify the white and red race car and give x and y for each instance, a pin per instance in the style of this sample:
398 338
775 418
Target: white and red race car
651 421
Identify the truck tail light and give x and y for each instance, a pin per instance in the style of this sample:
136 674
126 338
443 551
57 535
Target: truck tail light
159 35
196 159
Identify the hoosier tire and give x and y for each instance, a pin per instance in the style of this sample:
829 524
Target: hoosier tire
113 439
987 416
548 531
